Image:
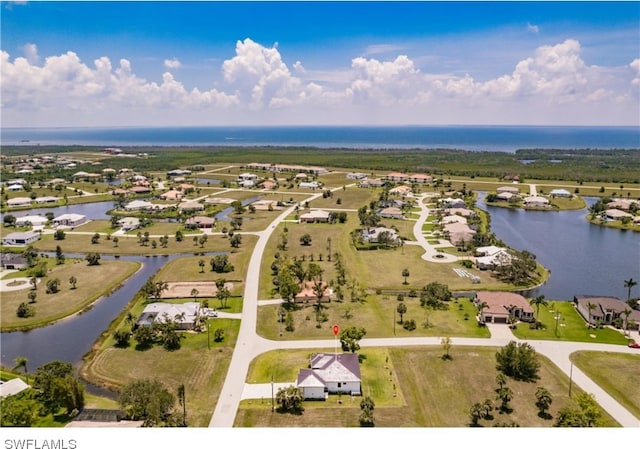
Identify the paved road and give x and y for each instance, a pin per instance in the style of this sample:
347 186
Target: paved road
249 345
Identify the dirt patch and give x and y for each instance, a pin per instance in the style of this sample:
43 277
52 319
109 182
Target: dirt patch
184 289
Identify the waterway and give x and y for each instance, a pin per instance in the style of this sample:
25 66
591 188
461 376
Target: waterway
584 259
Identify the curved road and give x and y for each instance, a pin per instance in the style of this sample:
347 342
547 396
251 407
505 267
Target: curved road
249 345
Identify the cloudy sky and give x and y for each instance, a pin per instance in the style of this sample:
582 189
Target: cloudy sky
325 63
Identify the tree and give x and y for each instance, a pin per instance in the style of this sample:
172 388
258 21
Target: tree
9 220
202 240
183 402
405 275
587 415
58 387
629 284
21 363
223 294
290 399
53 286
543 401
59 255
350 338
179 236
305 240
446 346
194 293
122 338
31 296
95 238
73 281
366 415
518 360
25 310
115 241
476 413
435 295
218 335
505 394
201 265
501 380
538 301
93 259
401 309
144 337
147 400
235 241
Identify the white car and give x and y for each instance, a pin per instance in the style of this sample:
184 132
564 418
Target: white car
211 313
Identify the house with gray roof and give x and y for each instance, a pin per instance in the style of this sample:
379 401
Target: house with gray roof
330 374
20 238
605 309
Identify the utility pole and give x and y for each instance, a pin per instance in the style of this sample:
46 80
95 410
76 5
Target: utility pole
557 319
570 378
272 406
208 339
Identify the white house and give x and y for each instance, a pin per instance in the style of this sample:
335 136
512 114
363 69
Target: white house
19 201
309 185
247 177
15 188
71 220
490 257
138 205
355 175
129 223
34 220
11 387
538 201
373 234
562 193
185 315
47 199
508 189
20 238
330 374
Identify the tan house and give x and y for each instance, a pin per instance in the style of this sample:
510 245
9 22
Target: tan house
459 233
420 178
308 294
498 307
315 216
172 195
391 212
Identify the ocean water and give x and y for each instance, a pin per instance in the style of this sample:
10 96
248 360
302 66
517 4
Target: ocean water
471 138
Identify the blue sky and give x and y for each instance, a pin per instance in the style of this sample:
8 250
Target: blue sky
371 63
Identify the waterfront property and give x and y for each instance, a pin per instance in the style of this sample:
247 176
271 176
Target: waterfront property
11 387
491 257
605 310
184 315
20 238
10 261
200 222
33 220
70 220
330 374
500 307
19 202
129 223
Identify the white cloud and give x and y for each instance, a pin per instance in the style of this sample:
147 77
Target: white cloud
30 52
533 28
635 66
383 48
172 63
552 85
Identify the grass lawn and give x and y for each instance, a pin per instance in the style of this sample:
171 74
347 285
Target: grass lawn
617 374
571 327
376 314
51 307
434 392
200 369
101 226
81 243
350 198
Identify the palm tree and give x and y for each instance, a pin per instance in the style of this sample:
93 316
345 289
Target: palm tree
501 380
505 395
483 305
629 284
475 413
538 301
402 309
21 362
201 264
405 275
543 400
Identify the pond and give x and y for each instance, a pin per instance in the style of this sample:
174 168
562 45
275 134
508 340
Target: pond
584 259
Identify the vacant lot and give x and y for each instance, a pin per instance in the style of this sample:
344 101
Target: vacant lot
618 374
92 283
436 393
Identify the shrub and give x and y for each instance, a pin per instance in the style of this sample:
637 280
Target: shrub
409 325
25 310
